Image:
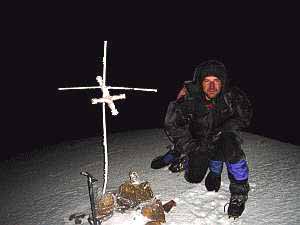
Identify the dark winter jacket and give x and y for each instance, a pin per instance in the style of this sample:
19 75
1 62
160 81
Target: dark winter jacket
189 120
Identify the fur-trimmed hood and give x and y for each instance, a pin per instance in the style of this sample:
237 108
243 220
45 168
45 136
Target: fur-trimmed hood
210 67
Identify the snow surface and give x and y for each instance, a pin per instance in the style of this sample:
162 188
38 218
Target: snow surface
45 188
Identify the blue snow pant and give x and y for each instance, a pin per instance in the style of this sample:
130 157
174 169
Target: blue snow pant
226 149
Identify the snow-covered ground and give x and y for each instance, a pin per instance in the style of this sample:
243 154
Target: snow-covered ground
46 187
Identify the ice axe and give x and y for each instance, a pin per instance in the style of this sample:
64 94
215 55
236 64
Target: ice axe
90 181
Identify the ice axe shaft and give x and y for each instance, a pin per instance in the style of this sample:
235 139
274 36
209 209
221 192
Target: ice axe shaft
90 182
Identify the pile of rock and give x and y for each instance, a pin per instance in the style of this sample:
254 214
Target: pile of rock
133 195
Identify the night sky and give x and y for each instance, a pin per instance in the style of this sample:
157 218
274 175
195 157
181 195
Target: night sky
260 50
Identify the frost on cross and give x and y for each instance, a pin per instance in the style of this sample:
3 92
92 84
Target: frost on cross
107 98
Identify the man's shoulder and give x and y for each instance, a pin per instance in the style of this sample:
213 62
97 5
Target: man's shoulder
237 96
235 92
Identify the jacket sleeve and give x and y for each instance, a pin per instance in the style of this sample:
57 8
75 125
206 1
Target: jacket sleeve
239 113
176 125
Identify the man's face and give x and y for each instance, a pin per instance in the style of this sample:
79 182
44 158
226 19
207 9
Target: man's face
211 86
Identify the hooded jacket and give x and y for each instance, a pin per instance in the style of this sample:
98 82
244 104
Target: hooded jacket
188 120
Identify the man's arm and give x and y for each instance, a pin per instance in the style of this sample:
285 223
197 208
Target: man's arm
189 90
177 124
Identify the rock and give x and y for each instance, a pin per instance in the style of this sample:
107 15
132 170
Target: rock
134 177
154 211
105 206
153 223
130 195
169 205
77 217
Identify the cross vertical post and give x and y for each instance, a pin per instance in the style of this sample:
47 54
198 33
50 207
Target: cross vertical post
104 125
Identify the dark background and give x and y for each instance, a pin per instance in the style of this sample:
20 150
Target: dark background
59 47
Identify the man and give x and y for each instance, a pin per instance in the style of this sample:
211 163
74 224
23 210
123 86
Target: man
204 126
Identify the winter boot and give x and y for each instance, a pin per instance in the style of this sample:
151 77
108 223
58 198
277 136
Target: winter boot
236 205
239 196
164 160
213 182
